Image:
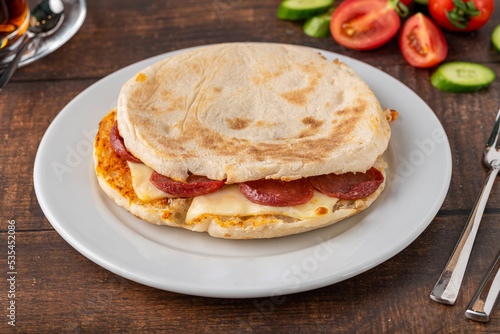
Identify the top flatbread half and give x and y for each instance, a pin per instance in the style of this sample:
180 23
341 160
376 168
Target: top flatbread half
246 111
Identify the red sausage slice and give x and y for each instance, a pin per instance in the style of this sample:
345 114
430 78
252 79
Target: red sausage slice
118 145
196 185
277 192
348 185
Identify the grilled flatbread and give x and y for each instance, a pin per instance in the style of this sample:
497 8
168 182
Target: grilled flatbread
115 179
248 111
250 118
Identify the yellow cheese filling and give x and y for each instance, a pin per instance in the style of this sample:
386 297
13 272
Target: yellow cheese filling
143 188
228 200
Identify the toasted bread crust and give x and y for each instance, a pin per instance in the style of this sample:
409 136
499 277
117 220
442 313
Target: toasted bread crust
247 111
114 178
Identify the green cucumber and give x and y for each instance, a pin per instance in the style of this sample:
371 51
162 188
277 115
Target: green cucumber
495 38
422 2
302 9
462 77
319 26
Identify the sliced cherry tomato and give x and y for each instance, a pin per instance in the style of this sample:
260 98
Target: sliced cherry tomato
196 185
421 42
461 15
364 24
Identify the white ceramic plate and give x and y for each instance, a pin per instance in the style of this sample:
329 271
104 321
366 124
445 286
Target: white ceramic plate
194 263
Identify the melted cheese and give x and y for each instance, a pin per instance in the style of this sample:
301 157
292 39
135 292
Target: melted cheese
143 188
229 201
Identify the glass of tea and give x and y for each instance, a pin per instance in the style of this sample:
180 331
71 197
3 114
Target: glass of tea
14 20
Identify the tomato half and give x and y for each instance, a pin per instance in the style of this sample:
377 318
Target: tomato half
460 15
364 24
421 42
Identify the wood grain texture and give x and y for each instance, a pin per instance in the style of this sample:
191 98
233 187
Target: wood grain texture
59 290
62 291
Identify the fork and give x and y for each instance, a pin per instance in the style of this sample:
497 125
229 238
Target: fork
448 285
485 298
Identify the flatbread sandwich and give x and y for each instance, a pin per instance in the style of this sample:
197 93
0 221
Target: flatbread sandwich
244 140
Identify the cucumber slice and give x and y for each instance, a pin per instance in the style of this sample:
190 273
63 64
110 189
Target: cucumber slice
302 9
462 77
319 26
495 38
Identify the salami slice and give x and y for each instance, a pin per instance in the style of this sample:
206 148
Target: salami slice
277 192
348 185
196 185
118 145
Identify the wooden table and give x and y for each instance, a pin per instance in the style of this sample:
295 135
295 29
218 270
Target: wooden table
59 290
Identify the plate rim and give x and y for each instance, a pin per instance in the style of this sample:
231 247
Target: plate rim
228 292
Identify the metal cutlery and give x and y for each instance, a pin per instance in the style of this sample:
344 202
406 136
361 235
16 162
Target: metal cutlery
486 296
448 285
45 19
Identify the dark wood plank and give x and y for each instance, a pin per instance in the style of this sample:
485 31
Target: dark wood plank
59 290
114 35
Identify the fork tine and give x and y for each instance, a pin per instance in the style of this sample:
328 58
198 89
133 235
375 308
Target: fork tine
492 142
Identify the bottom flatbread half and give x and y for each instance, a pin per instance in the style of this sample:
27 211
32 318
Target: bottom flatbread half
114 178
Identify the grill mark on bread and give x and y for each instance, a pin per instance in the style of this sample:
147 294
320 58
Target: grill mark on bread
176 104
263 124
306 133
313 126
300 96
237 123
312 122
350 111
230 121
265 76
218 143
